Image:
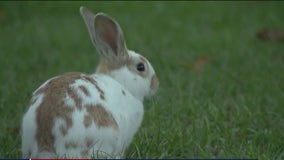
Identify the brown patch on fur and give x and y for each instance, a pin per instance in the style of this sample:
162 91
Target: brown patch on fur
143 59
85 90
103 68
105 65
100 116
53 106
74 96
71 144
94 82
154 82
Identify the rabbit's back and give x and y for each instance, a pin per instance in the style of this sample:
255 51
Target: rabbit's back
77 115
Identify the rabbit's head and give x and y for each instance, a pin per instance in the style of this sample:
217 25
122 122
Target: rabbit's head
129 68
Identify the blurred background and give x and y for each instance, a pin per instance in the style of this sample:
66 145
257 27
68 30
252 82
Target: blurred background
220 66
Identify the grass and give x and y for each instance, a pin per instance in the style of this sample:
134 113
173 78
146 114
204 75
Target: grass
229 107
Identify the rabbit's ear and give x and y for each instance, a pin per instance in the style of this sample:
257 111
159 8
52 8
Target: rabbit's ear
106 34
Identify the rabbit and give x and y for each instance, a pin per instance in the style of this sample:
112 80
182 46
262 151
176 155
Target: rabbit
91 115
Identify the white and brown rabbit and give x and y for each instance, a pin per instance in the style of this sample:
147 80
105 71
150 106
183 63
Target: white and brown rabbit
80 115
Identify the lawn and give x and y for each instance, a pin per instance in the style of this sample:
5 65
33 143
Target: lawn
221 88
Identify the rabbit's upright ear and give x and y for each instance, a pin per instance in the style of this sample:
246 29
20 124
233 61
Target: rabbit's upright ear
106 34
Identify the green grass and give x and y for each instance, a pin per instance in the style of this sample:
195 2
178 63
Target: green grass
232 108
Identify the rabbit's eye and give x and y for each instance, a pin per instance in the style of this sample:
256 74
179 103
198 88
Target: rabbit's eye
140 67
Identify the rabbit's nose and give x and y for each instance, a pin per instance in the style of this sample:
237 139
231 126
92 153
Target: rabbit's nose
154 83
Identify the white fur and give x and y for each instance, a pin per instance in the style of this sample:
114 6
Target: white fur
131 81
29 128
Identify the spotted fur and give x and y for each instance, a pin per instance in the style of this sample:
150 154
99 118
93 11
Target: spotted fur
77 115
